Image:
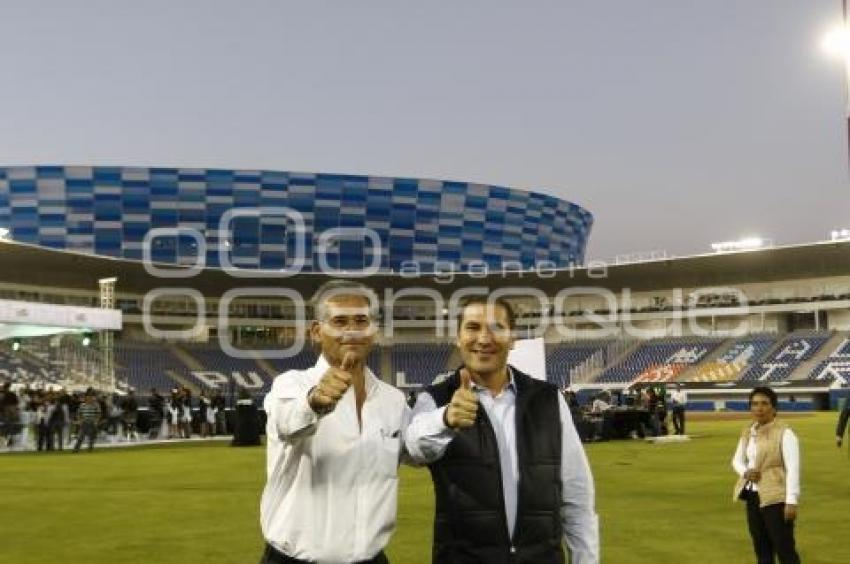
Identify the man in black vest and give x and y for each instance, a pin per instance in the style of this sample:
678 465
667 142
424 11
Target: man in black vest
842 423
510 476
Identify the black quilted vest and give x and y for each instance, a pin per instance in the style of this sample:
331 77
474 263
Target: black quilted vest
470 524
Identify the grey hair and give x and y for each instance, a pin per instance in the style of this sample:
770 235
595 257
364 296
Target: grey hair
340 287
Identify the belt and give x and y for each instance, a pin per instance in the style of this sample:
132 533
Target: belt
274 556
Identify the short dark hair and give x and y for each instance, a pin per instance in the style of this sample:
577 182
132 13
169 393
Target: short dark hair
767 392
484 300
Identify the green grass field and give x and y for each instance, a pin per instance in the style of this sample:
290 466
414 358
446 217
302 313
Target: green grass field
199 503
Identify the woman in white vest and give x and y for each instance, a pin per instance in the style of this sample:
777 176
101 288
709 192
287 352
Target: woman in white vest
767 462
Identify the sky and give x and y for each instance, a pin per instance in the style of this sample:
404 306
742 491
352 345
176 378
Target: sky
677 123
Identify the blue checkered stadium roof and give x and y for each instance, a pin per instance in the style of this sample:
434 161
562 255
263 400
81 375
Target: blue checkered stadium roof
237 216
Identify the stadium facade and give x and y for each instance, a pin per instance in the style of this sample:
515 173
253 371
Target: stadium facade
245 218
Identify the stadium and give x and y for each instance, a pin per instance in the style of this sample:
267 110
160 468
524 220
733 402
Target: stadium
137 278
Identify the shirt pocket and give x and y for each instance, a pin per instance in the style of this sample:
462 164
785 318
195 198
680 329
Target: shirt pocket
387 452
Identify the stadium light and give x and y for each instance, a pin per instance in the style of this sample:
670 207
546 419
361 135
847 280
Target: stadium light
86 339
836 42
746 244
840 235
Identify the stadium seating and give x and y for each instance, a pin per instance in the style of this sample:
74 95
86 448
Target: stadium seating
786 357
241 371
420 363
18 369
836 366
749 350
305 358
561 358
662 372
656 353
743 353
145 365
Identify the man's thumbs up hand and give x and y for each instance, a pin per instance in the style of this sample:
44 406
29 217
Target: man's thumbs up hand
334 383
462 410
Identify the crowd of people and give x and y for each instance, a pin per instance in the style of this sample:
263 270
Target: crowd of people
47 420
594 419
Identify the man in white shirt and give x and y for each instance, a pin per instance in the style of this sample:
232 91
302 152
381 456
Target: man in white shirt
334 439
601 403
511 479
680 400
767 462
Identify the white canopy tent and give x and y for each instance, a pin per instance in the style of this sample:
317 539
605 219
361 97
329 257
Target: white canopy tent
21 320
28 319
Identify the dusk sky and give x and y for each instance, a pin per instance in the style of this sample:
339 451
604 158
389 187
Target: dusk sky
675 122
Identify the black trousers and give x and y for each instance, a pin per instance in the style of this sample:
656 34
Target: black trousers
771 534
155 425
43 436
679 419
272 556
56 436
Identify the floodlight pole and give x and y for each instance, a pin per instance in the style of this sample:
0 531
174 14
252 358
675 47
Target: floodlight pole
846 61
107 365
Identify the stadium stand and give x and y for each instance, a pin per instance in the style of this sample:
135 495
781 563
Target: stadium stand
303 359
657 353
662 372
211 358
19 369
146 365
562 358
783 359
420 362
770 357
749 349
717 371
836 366
741 354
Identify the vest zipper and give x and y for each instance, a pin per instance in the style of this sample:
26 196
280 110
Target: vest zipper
508 532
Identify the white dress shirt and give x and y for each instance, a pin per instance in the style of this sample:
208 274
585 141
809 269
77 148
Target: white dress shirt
599 406
428 437
745 457
679 397
331 491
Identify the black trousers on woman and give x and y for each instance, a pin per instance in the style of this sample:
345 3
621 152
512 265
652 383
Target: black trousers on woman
772 535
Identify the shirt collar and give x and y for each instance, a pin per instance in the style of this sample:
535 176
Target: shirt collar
756 428
371 380
510 385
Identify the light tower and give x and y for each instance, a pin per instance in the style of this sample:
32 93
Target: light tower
107 301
